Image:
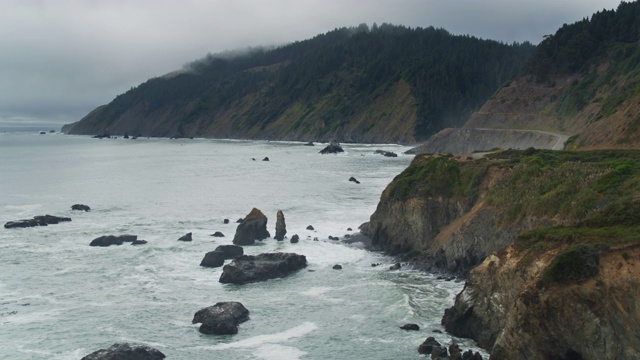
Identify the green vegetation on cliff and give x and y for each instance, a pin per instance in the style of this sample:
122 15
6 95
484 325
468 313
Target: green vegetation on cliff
319 86
573 47
596 193
438 176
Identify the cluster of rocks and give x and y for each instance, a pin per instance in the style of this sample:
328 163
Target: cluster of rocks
440 352
42 220
217 257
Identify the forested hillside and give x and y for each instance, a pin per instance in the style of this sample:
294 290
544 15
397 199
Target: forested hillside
583 81
380 84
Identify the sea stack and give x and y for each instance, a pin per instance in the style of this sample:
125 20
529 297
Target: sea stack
281 226
253 227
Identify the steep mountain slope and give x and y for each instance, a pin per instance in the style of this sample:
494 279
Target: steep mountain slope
583 81
384 84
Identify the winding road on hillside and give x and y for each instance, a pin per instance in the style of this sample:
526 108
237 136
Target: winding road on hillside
559 145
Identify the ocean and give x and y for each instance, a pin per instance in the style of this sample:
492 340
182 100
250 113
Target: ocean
62 299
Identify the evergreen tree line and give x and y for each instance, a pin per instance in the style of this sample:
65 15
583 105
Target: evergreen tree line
450 76
572 47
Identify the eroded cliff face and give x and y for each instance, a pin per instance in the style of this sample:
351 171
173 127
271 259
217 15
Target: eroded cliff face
449 231
509 308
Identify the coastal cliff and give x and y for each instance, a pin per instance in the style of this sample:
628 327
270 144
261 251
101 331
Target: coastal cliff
512 305
549 242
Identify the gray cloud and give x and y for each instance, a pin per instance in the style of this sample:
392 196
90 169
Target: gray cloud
62 58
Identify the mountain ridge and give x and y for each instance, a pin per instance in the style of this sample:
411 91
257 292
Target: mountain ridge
381 84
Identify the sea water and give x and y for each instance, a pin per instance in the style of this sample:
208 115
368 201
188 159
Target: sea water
62 299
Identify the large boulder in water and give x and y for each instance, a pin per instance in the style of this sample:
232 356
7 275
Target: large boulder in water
222 318
80 207
42 220
186 237
332 148
253 227
124 351
281 226
230 251
108 240
247 268
213 259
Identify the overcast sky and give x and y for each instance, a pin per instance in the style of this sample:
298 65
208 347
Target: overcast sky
59 59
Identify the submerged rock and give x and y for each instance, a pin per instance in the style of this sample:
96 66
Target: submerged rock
386 153
125 351
80 207
281 226
138 242
108 240
222 318
247 268
412 327
42 220
252 228
395 266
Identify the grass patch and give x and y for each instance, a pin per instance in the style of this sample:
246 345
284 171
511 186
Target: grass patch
569 184
442 176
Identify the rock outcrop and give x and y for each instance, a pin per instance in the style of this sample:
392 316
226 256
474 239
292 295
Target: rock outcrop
332 148
213 259
125 351
230 251
281 226
108 240
42 220
186 237
222 318
253 227
80 207
247 268
510 307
